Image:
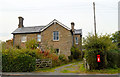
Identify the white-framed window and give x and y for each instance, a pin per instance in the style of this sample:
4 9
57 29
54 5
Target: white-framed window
76 40
23 38
55 35
39 38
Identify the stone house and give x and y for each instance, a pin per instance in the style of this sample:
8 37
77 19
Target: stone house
54 34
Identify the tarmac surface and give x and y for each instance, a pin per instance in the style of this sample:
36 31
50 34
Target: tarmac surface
50 74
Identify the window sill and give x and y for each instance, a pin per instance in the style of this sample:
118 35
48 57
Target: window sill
56 40
39 41
23 42
76 43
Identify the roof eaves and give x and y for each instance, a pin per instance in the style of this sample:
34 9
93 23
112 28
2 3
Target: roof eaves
24 32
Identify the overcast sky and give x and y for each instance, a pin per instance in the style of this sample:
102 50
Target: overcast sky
41 12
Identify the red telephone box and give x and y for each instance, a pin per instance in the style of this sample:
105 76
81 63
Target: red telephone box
98 58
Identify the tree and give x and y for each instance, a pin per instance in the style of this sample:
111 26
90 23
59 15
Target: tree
116 38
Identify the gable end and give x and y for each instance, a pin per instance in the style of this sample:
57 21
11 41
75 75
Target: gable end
55 21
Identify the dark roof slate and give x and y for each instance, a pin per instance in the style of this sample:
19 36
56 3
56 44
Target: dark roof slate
78 31
33 29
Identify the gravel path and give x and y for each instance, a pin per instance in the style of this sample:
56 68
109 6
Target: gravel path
71 66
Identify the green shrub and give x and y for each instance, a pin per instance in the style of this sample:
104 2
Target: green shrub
5 63
63 58
24 63
31 52
75 53
56 63
91 58
15 60
95 45
112 58
70 58
118 59
32 44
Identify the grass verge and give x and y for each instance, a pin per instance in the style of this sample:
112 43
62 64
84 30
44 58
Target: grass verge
82 70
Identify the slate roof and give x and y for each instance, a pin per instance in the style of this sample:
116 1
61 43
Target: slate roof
78 31
33 29
36 29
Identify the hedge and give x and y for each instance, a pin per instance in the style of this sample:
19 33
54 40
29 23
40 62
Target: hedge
112 58
21 63
100 45
92 59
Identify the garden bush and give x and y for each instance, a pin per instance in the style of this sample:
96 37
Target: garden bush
112 58
91 58
118 59
14 60
31 52
75 53
32 44
95 45
24 63
63 58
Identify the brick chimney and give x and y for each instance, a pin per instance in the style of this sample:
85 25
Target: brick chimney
72 26
20 25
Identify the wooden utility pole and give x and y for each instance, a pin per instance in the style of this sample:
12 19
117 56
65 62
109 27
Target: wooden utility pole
94 18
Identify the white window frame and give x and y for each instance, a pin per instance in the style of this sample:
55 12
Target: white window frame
39 38
55 36
23 38
76 40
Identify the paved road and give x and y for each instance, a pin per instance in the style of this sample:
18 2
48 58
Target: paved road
56 75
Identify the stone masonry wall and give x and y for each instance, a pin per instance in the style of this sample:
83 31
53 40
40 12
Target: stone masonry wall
17 40
65 39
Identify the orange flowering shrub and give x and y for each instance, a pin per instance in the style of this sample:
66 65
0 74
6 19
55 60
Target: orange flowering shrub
48 55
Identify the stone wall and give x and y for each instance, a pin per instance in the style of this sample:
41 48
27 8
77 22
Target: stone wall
17 40
64 43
